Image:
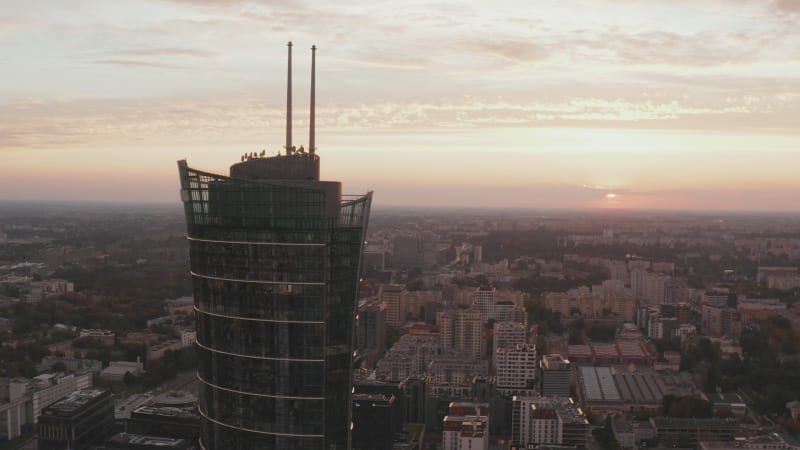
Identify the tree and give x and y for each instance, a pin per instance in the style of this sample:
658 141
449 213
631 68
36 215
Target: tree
688 406
27 369
602 332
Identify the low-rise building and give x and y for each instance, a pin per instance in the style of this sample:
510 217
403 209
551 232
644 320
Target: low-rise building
726 404
616 389
79 421
181 305
22 399
116 370
172 414
631 434
683 432
129 441
157 351
107 337
188 338
770 441
70 364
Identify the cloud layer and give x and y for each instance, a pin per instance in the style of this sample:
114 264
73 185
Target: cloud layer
686 78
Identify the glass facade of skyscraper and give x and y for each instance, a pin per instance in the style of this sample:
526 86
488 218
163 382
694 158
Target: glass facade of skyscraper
275 278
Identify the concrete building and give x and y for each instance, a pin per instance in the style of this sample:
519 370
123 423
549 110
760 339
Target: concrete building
455 369
516 370
157 351
129 441
649 288
466 427
396 310
188 338
772 441
556 376
766 272
376 420
371 330
484 302
638 282
477 254
682 312
415 301
508 334
462 332
655 288
631 434
116 370
181 305
727 403
172 414
22 400
719 321
411 355
107 337
716 299
684 432
415 250
79 421
618 271
548 421
621 351
70 364
759 309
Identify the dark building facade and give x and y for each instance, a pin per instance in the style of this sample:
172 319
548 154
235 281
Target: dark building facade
376 420
83 419
275 257
166 421
128 441
371 331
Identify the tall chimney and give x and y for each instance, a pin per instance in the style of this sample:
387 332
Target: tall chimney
289 104
311 148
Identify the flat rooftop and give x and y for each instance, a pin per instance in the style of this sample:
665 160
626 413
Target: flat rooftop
187 412
633 384
152 441
75 401
713 424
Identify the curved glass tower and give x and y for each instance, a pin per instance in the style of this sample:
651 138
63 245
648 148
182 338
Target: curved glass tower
275 257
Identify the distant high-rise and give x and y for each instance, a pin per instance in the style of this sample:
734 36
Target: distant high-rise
392 295
371 330
507 334
485 302
275 256
516 370
556 374
461 332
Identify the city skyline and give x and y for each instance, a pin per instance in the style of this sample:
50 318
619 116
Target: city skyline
619 105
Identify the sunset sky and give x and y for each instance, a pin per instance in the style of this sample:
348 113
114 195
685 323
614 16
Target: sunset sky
684 104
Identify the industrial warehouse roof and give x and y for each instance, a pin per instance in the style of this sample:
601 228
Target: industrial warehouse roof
632 384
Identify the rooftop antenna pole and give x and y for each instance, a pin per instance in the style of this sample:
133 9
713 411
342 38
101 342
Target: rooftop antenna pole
289 104
311 147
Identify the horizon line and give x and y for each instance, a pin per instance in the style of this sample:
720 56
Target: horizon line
439 208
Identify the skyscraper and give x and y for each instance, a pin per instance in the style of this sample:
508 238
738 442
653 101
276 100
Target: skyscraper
275 256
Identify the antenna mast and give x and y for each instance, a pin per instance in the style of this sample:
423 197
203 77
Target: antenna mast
311 147
289 104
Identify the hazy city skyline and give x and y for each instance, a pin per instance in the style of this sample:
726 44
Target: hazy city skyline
691 105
